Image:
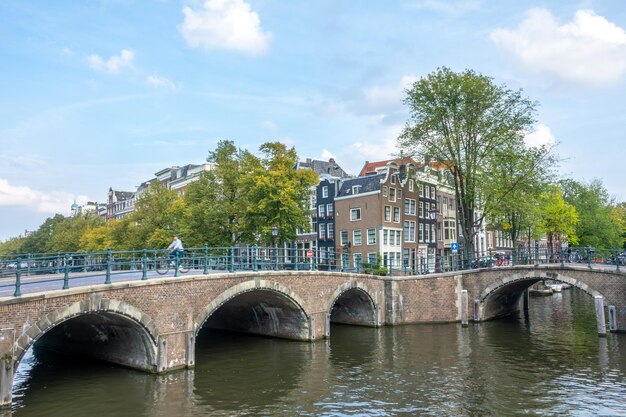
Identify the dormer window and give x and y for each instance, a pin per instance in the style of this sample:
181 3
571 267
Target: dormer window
356 189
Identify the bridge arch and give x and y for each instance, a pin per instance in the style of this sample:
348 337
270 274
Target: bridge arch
259 307
352 303
502 296
107 329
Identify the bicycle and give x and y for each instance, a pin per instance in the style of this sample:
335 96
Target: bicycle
163 265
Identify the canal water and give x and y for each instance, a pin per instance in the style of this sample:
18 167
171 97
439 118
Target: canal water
549 363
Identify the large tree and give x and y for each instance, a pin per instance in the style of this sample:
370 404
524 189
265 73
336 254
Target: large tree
469 123
276 194
215 204
599 226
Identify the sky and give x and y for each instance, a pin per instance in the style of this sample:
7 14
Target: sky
104 93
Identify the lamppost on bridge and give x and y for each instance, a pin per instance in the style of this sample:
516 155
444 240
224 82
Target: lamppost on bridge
274 235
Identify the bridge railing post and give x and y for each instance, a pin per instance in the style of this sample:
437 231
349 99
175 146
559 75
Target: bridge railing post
18 283
144 265
206 258
231 259
107 279
66 273
176 263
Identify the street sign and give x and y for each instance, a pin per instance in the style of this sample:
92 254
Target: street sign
309 254
454 247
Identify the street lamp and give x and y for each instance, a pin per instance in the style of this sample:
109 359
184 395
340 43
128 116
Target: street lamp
274 234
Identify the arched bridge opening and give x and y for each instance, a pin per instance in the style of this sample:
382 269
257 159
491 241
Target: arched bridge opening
507 295
104 336
354 306
261 311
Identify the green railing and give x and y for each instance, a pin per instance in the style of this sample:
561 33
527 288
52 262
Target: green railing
63 270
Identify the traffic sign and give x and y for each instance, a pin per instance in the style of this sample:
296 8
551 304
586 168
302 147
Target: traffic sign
309 254
454 247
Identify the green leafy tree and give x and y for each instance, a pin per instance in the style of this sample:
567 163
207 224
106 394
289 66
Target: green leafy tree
558 218
68 234
599 227
467 122
215 205
520 175
158 214
276 194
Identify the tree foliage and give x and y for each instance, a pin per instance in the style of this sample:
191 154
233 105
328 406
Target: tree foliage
474 126
599 225
558 218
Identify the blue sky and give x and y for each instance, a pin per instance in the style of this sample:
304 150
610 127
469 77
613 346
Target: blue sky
104 93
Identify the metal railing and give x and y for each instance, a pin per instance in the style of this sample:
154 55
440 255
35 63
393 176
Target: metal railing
41 272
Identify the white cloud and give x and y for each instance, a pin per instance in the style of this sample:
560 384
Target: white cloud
225 24
22 196
588 50
542 135
384 101
269 125
383 147
161 82
114 64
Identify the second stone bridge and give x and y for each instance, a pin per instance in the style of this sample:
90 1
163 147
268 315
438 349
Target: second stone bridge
152 325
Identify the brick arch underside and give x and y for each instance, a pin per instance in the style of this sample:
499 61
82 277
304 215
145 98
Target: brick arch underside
503 297
353 304
111 331
258 307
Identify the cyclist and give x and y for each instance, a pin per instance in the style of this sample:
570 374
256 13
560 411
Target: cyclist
176 249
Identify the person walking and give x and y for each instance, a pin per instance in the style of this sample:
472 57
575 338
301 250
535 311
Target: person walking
176 249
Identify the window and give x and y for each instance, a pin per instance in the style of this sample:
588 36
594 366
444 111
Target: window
392 194
392 238
426 233
432 233
421 209
398 237
433 194
344 238
421 190
396 214
409 206
399 193
385 237
427 191
325 191
409 231
393 179
329 211
356 235
358 260
321 211
385 191
371 236
356 189
331 231
421 232
387 213
313 202
372 258
322 232
410 185
355 214
427 210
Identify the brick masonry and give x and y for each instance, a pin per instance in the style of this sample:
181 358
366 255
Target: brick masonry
171 311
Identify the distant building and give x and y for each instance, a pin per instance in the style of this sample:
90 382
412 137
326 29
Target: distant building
320 224
375 214
122 203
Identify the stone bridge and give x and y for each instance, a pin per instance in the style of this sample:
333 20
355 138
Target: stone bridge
152 325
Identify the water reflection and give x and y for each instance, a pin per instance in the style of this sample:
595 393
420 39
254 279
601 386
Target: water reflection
549 363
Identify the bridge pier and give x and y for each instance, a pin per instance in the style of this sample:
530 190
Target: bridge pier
7 366
600 319
175 351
